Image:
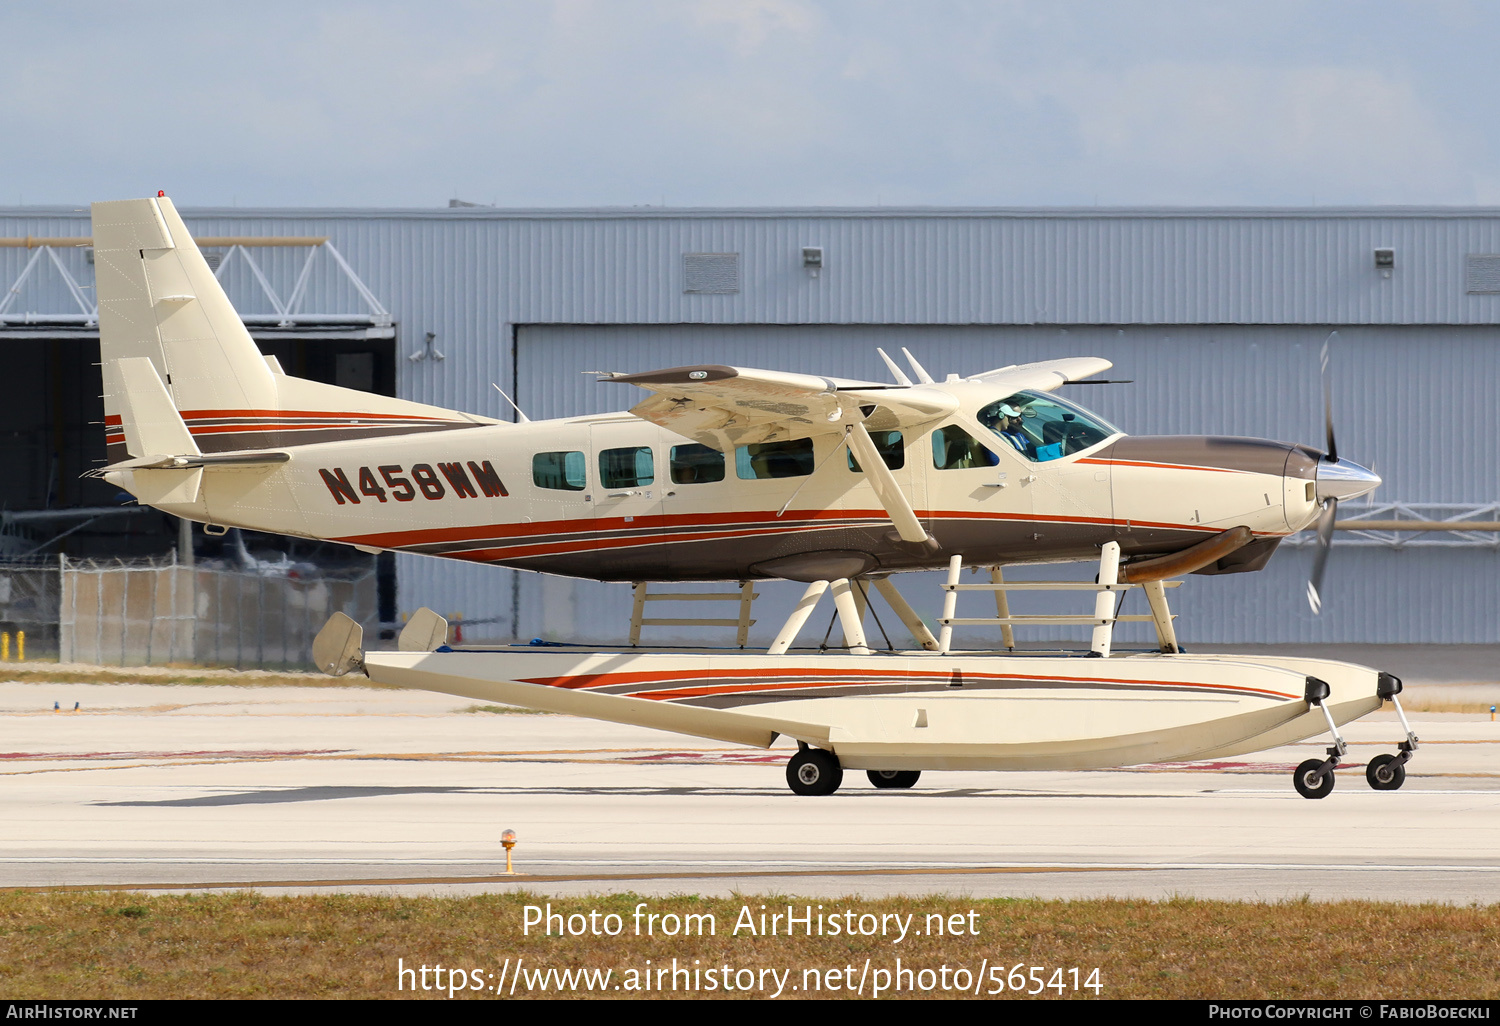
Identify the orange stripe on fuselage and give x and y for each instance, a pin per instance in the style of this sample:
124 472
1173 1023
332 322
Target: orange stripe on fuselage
1164 466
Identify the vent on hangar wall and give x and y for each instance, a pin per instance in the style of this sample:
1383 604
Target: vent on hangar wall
1482 273
711 272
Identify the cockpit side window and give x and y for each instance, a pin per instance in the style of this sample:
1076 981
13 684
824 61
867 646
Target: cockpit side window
1043 427
953 448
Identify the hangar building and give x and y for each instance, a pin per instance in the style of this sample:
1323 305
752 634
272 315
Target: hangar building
1217 317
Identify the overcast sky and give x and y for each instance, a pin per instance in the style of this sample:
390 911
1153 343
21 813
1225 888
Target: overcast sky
752 102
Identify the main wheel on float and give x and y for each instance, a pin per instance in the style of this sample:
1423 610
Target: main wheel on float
1312 781
813 771
1385 773
893 778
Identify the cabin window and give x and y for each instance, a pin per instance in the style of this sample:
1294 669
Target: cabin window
696 464
774 459
1043 427
953 448
888 444
566 471
626 468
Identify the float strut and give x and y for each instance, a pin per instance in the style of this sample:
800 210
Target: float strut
907 614
799 617
1104 601
1161 615
1002 609
849 617
950 603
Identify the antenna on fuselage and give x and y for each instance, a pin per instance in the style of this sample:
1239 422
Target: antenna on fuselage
921 371
521 417
896 372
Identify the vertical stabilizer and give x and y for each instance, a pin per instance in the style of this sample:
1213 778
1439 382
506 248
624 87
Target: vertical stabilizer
159 300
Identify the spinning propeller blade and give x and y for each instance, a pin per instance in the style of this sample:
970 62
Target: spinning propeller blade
1336 479
1320 561
1333 449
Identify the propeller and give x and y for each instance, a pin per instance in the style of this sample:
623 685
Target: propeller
1331 504
1336 479
1320 561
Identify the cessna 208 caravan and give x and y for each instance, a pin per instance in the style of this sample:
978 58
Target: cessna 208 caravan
734 474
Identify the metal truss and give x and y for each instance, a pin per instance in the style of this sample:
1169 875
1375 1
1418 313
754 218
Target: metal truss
1413 525
86 314
290 313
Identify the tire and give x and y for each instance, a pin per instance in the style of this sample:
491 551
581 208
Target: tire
812 771
1302 780
1385 773
893 778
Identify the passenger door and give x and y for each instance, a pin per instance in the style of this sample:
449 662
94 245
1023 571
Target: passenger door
627 500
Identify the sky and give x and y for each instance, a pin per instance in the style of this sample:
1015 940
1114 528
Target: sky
686 103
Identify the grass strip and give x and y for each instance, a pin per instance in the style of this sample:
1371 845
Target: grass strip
124 946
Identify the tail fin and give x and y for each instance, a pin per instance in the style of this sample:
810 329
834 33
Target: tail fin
159 300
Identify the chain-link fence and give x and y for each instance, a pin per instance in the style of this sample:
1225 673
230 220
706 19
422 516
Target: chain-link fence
159 612
29 597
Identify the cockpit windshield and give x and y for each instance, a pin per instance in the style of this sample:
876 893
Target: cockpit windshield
1042 426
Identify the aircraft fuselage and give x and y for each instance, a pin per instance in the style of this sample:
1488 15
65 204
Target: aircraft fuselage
614 497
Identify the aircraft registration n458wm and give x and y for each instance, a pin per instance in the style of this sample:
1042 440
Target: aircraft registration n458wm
726 473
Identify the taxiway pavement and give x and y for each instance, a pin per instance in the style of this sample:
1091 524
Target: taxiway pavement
349 788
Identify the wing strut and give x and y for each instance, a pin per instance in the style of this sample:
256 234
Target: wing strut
886 489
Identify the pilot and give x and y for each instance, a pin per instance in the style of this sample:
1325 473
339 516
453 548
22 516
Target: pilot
1008 427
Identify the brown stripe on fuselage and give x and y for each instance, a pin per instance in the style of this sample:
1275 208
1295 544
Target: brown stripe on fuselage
1207 452
224 438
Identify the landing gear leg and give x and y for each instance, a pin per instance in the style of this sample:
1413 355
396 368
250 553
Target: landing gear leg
1388 772
812 771
1314 778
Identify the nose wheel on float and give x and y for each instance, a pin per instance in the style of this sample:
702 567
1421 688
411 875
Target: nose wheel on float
1314 778
1388 772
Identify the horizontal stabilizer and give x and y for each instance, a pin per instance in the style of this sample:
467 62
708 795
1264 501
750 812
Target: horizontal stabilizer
151 423
253 458
166 487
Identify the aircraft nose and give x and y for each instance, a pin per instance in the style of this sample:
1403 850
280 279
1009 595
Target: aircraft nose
1343 479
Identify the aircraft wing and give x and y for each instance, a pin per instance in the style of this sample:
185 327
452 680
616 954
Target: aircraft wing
1045 376
723 407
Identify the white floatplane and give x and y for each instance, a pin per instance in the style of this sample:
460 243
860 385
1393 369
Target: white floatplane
738 474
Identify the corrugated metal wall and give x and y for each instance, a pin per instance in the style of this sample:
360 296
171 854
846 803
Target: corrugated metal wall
1171 296
1417 404
470 272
